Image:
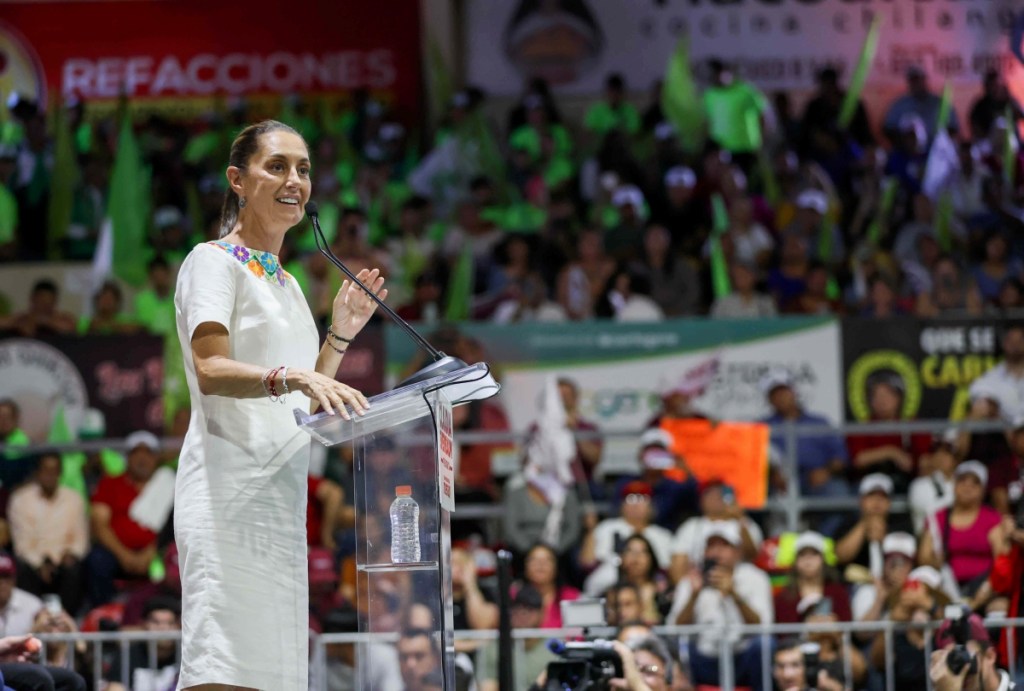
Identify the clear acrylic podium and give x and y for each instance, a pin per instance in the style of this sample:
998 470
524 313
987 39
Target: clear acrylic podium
406 438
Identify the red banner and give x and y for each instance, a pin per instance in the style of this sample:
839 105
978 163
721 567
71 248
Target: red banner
192 49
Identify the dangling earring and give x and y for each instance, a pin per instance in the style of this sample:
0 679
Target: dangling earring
241 203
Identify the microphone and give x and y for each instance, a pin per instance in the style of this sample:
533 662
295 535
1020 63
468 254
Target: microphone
442 364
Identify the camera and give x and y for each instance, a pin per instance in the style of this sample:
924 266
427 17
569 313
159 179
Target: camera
585 666
960 628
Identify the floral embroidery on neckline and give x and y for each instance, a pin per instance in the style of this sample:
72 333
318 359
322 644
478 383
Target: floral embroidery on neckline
263 265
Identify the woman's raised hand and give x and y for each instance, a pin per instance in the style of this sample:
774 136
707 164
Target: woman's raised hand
353 307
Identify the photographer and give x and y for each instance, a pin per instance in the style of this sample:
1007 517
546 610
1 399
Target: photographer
980 673
791 672
646 666
725 593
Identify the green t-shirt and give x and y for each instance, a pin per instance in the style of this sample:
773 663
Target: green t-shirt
85 324
16 438
529 139
734 116
156 314
602 118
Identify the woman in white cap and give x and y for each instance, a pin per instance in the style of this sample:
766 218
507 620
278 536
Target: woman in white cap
964 539
814 586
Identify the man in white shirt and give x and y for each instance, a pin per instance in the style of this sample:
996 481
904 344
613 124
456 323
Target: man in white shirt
18 609
1008 377
727 592
600 547
717 505
934 492
50 531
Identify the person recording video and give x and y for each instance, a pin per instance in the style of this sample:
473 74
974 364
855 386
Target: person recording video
646 665
796 667
965 658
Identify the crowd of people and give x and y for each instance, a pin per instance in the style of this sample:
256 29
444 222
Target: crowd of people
545 220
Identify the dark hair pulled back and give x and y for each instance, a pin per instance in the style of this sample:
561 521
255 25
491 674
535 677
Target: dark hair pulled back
245 146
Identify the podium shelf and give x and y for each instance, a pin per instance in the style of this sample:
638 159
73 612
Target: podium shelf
396 568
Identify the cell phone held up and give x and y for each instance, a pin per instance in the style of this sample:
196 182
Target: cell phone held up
709 564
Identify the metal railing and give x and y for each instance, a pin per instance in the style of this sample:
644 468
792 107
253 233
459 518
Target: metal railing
790 506
98 643
727 673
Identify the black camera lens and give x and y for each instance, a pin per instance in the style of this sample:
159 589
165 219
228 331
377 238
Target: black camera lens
959 658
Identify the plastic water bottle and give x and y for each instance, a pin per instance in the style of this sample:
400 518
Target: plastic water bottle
405 527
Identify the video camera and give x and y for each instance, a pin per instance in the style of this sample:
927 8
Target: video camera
586 666
960 628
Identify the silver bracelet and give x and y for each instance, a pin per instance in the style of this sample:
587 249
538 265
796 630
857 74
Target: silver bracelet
284 380
263 381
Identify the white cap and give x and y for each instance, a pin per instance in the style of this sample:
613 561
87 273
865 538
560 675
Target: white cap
810 540
142 438
972 467
876 482
656 436
680 176
813 199
775 378
927 575
727 530
628 195
900 543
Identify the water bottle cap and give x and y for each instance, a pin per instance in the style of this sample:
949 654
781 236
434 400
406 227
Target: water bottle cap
403 491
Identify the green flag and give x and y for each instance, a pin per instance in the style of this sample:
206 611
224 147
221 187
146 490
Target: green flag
719 267
71 463
8 215
860 74
440 81
128 208
945 107
680 99
63 180
460 287
476 134
880 223
825 250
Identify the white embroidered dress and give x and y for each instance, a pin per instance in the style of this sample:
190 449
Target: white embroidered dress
240 497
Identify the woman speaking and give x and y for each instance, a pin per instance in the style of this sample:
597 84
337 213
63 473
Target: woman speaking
252 354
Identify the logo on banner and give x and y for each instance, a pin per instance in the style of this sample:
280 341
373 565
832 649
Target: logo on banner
39 377
445 455
21 71
559 41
